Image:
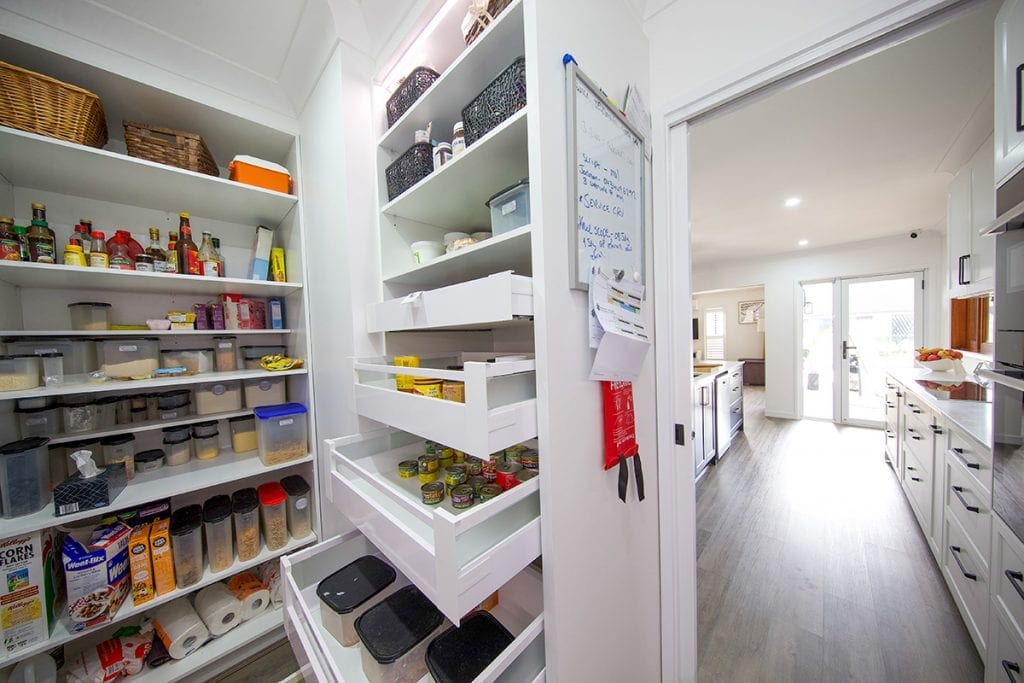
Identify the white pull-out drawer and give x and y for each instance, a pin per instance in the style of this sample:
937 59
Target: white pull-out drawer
966 572
917 482
971 504
1008 574
977 459
1005 660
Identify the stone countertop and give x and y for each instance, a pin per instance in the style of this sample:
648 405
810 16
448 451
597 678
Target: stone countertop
973 417
709 377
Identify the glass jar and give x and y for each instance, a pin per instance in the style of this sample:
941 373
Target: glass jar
245 508
217 524
273 501
458 139
300 522
144 262
98 256
10 246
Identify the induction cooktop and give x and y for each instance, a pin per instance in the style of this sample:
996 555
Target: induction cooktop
965 390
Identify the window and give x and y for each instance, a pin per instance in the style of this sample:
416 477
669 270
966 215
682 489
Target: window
714 334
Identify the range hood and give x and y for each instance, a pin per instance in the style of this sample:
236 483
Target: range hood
1013 219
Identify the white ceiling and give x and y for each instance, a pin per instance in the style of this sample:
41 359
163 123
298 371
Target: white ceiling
868 147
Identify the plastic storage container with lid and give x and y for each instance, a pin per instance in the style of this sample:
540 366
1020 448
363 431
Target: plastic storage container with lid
395 633
264 391
225 357
52 368
24 476
245 508
18 373
217 523
187 544
218 397
281 433
120 448
90 315
106 411
510 208
273 501
299 509
252 354
38 421
462 653
79 354
243 433
197 361
350 591
177 445
128 358
150 460
79 414
206 447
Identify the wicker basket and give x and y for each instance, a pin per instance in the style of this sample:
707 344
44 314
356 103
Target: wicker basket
171 147
413 166
414 85
44 105
494 8
502 98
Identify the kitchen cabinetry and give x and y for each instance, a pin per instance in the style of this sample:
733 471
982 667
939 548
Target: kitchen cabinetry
704 424
1009 71
922 474
970 207
1005 654
893 426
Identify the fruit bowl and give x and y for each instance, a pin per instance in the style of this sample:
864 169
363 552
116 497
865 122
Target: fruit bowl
942 365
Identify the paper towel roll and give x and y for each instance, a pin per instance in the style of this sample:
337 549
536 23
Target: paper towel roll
251 592
180 628
219 609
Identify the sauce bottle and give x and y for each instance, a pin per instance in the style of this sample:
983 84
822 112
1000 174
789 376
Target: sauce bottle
220 256
98 257
157 253
10 247
42 243
172 251
22 234
120 256
209 263
188 252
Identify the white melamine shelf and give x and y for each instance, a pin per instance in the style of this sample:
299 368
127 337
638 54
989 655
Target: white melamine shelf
500 408
324 659
508 251
61 633
148 426
501 298
456 557
100 334
143 385
49 276
494 162
168 481
490 54
42 163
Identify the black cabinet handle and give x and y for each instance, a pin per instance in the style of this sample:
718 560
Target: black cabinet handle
912 469
1019 122
959 453
899 394
889 435
1016 578
956 550
935 429
916 479
1009 667
890 405
959 492
961 277
915 437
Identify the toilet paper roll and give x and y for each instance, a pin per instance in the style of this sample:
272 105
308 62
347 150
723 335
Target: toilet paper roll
219 609
180 628
251 592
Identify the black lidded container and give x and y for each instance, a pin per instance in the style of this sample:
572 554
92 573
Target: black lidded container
350 591
395 633
461 654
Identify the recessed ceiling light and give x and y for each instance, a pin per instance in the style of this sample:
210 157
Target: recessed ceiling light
802 243
792 202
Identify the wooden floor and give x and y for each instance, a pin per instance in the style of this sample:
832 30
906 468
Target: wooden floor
811 567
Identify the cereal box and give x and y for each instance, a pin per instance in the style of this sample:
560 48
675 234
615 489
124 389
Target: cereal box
163 561
96 571
141 565
31 595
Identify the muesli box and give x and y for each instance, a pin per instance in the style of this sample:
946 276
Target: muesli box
97 575
32 592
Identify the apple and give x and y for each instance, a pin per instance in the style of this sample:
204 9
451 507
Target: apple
933 356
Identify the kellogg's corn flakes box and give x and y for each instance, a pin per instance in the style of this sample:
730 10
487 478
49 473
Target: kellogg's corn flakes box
32 589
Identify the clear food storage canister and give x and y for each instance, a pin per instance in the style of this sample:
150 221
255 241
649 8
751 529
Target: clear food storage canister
245 507
129 358
120 448
18 373
38 421
106 412
225 354
196 361
281 433
350 591
264 391
25 477
79 414
395 633
89 315
52 368
218 397
177 445
273 500
207 447
217 523
243 433
187 544
79 354
299 518
253 354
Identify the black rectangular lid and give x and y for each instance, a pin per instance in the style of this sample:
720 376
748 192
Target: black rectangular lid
355 583
461 654
397 624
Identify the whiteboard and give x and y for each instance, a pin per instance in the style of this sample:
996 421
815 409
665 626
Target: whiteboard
606 163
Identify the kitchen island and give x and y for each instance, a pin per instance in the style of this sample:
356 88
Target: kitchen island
717 410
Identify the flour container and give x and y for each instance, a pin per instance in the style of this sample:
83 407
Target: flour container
38 422
264 391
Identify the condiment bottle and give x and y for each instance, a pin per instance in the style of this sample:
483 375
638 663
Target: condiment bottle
120 257
208 261
188 252
172 253
220 256
42 243
10 247
82 236
74 255
22 234
156 252
134 248
98 257
458 139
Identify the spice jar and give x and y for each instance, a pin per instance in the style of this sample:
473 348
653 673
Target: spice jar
458 139
442 153
217 524
144 262
74 255
275 518
225 358
299 520
244 505
187 544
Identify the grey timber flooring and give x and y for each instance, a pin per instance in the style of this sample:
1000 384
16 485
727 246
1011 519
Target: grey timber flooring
811 566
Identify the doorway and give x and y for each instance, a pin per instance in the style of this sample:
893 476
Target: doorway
817 355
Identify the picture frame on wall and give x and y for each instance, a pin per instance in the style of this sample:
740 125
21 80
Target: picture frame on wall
750 312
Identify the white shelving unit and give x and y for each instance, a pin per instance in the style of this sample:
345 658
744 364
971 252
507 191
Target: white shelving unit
148 426
103 334
510 250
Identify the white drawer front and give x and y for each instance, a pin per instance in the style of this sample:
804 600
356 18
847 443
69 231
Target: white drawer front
1005 660
967 575
918 484
970 504
1008 575
976 458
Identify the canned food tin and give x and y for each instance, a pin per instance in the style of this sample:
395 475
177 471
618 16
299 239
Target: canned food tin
427 477
490 477
455 475
474 467
526 475
432 493
407 469
459 457
476 482
506 475
515 451
445 462
489 491
430 447
530 459
512 458
425 386
405 382
427 463
452 390
462 496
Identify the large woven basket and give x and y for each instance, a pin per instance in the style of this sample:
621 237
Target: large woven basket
171 147
494 8
44 105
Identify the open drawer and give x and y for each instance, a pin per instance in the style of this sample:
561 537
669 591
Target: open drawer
322 658
488 301
456 557
500 408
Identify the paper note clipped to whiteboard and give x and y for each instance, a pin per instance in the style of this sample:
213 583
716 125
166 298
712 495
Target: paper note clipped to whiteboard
607 159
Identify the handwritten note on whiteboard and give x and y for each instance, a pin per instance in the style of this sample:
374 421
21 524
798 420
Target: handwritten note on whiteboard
607 159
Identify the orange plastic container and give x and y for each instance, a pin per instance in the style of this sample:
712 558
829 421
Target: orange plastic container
251 174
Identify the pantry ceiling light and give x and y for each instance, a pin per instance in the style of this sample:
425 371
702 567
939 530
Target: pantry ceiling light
802 243
792 202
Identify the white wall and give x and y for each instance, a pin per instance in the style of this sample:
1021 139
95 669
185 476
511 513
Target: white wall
781 277
601 573
741 341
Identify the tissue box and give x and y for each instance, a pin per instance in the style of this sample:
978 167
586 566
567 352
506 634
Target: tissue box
76 493
96 571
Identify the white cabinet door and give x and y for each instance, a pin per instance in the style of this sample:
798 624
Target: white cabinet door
983 212
1009 126
958 226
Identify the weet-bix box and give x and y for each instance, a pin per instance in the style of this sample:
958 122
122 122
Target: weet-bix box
97 575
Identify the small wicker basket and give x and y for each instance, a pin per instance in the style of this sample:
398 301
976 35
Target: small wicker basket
43 105
494 8
171 147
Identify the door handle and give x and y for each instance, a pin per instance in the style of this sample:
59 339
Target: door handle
1019 122
956 550
958 491
847 347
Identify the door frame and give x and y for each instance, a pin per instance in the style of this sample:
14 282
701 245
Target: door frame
875 26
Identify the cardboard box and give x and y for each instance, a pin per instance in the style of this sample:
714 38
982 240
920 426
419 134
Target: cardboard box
141 565
97 574
261 253
32 593
163 560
